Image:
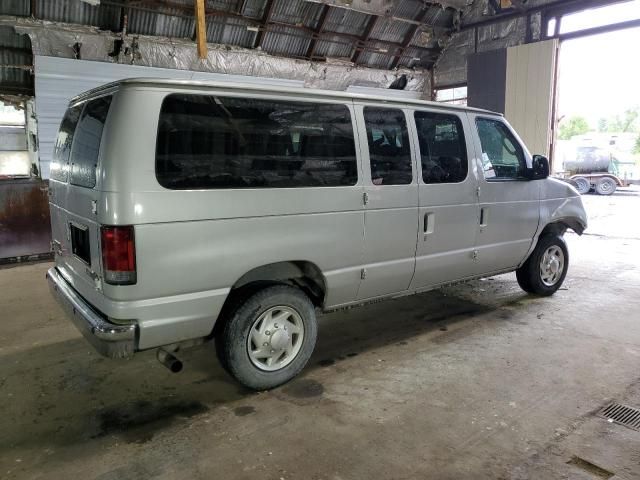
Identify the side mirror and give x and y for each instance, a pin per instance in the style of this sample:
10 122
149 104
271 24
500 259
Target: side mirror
540 168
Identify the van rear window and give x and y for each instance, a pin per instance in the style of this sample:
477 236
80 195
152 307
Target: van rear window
210 142
78 142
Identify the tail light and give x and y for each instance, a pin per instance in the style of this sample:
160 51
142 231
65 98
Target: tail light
119 255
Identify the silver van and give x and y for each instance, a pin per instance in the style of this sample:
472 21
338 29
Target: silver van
184 211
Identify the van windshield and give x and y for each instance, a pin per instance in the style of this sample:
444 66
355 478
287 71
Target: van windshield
75 153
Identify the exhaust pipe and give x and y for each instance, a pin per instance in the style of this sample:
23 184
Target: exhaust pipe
169 360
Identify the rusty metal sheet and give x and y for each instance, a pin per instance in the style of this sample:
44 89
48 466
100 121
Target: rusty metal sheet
25 227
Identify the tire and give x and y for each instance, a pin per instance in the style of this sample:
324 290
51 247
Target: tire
605 186
540 278
263 324
582 185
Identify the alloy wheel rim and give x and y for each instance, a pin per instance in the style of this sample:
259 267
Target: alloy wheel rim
275 338
551 265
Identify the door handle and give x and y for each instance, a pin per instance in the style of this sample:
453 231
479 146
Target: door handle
484 216
428 224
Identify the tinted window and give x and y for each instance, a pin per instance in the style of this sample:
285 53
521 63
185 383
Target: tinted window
502 155
443 151
62 148
389 151
86 142
217 142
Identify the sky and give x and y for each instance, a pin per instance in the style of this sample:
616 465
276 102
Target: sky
599 75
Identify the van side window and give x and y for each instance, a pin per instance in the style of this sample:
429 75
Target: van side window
62 147
209 142
502 155
86 142
443 151
389 151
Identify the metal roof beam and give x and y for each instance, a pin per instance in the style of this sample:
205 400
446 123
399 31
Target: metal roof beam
365 36
318 30
408 38
266 16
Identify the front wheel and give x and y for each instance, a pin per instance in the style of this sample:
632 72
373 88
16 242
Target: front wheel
269 338
545 269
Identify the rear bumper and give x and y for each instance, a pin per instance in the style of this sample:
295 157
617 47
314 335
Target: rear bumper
111 340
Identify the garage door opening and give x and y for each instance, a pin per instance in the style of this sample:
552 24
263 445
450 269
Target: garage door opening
598 104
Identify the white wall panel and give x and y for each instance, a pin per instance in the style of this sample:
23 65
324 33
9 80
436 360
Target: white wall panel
57 80
529 92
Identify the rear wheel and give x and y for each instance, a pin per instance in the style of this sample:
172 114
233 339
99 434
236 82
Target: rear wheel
545 269
606 186
582 185
269 338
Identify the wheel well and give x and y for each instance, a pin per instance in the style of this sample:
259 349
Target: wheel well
301 274
561 226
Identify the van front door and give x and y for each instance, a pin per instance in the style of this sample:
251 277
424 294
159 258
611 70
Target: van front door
391 201
509 203
448 211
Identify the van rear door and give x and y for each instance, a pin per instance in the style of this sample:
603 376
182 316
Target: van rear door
74 196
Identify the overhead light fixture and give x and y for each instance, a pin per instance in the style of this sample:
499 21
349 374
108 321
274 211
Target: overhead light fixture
252 29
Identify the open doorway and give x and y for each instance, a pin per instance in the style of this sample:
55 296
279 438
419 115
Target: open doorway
598 102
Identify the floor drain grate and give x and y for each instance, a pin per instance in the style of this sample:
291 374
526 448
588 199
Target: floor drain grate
622 415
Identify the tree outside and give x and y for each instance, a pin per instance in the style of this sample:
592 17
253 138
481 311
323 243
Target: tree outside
571 127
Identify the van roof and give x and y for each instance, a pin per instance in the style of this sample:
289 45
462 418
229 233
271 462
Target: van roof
188 84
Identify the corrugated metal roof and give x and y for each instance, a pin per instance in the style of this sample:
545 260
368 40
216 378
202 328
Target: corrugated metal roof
342 20
73 11
289 29
166 25
230 31
253 8
296 12
337 49
390 30
15 7
280 40
379 58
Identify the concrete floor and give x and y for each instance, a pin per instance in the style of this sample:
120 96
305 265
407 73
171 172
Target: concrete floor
473 381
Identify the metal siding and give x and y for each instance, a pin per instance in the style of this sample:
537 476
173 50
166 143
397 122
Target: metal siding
60 79
529 81
15 80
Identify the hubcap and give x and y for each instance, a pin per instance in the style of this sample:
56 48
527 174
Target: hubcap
275 338
552 265
605 186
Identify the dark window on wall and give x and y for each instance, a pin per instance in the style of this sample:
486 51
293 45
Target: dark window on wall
389 151
502 155
62 147
208 142
86 142
443 151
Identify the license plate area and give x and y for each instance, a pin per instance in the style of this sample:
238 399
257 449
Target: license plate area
80 243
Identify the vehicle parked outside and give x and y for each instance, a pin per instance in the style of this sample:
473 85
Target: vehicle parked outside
183 212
